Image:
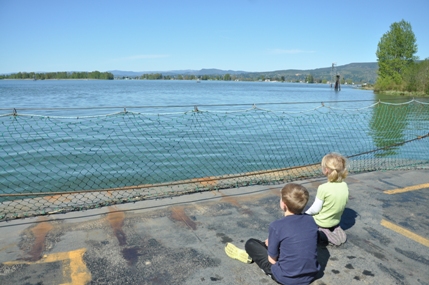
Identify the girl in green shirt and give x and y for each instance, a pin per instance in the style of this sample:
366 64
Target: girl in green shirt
331 200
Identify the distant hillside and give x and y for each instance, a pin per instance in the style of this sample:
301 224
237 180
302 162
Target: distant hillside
214 71
121 73
201 72
356 72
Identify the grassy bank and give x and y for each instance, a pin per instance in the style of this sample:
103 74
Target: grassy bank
402 93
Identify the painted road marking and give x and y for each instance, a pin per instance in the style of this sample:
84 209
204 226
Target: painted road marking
405 232
79 273
407 189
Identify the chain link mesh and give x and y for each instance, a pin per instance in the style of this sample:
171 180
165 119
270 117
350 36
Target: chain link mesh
52 164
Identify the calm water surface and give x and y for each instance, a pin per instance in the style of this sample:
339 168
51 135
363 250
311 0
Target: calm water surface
120 93
66 154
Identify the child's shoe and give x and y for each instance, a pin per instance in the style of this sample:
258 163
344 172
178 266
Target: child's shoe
236 253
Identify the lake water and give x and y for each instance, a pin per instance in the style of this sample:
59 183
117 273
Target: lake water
61 139
131 93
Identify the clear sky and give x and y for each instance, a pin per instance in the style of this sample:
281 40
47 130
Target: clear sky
163 35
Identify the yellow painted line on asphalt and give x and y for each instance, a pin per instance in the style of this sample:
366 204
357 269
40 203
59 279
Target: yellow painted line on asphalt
405 232
79 273
407 189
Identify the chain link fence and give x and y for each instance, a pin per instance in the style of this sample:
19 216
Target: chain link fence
54 164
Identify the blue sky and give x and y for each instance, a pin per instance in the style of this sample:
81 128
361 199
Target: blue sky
160 35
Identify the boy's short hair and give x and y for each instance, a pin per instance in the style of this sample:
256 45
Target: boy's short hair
295 197
336 163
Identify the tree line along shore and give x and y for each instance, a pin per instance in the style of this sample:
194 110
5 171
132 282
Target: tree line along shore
59 75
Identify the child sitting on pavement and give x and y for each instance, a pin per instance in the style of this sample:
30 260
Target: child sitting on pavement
331 200
289 255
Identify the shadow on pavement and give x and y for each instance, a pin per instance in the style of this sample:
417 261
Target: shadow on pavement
323 257
348 219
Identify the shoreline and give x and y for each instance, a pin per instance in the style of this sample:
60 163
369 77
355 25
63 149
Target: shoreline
397 93
30 79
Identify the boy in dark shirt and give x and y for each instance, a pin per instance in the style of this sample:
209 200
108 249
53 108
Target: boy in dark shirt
289 255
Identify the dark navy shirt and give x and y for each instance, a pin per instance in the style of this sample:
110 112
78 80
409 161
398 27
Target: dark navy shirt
293 241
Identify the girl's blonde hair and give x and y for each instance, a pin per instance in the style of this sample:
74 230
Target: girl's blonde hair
335 164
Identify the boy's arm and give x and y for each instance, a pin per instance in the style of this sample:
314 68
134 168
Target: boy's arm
316 207
272 244
272 260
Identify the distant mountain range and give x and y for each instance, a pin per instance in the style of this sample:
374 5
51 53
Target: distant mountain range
357 72
365 72
211 71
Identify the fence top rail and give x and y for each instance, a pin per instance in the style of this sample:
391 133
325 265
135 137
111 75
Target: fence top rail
200 109
199 105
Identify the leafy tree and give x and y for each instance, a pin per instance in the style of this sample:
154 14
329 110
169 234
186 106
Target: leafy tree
395 53
417 77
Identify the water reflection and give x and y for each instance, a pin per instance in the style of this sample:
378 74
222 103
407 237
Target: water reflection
405 118
387 127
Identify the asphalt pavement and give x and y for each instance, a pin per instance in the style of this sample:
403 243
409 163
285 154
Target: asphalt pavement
181 240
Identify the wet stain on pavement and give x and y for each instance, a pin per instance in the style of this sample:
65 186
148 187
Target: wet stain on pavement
178 214
384 181
224 238
131 255
152 263
368 246
379 255
39 232
254 224
412 255
349 266
385 203
116 220
335 271
378 236
367 273
216 278
120 235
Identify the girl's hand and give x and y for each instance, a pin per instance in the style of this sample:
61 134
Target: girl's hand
266 242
